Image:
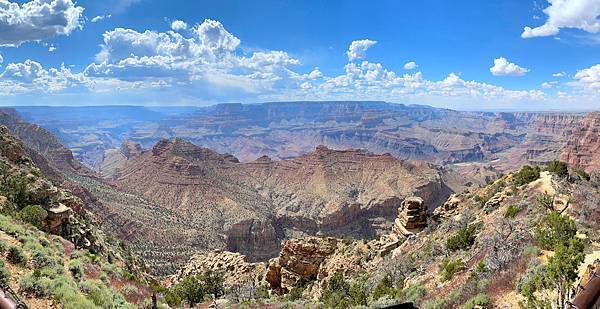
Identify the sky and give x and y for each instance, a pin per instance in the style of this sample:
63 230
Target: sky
468 55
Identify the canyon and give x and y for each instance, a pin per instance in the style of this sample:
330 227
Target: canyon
174 182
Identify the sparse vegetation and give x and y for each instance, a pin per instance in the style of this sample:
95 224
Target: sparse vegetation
463 239
449 267
558 168
512 211
526 175
15 256
33 214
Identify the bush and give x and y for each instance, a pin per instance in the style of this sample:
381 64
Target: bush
15 256
358 293
213 284
4 274
478 301
581 173
463 239
76 269
40 260
33 214
526 175
190 289
385 287
414 293
511 211
3 247
295 293
553 230
558 168
101 295
449 267
336 293
435 304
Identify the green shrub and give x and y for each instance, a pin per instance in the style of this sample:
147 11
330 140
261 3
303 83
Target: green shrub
526 175
558 168
435 304
336 293
463 239
555 229
478 301
414 293
213 284
76 269
41 259
101 295
385 287
3 246
358 293
481 268
449 267
581 173
4 274
33 214
15 256
295 293
190 289
511 211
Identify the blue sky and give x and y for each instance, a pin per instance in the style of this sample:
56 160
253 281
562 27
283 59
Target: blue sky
502 55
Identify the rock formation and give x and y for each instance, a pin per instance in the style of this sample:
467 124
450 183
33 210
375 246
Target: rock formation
411 214
583 148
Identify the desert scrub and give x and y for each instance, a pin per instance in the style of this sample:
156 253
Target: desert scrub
511 211
40 259
15 256
3 247
101 295
526 175
33 214
414 293
449 267
478 301
463 239
76 269
4 274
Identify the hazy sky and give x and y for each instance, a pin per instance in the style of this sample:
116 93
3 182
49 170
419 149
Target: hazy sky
509 54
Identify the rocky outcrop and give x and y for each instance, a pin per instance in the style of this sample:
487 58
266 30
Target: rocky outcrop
299 262
255 236
411 215
584 145
231 265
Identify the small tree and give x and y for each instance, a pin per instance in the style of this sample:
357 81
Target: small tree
526 175
385 287
213 284
558 168
33 214
463 239
190 289
563 268
555 229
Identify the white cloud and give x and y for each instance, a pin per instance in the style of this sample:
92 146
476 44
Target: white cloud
546 85
100 18
358 49
31 76
503 67
178 25
37 20
578 14
51 48
1 59
588 79
559 74
410 65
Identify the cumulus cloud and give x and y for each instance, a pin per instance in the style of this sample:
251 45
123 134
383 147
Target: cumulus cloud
51 48
578 14
559 74
37 20
589 78
100 18
358 49
178 25
503 67
410 65
31 76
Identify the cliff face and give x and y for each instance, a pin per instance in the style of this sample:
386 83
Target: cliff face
251 207
583 147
